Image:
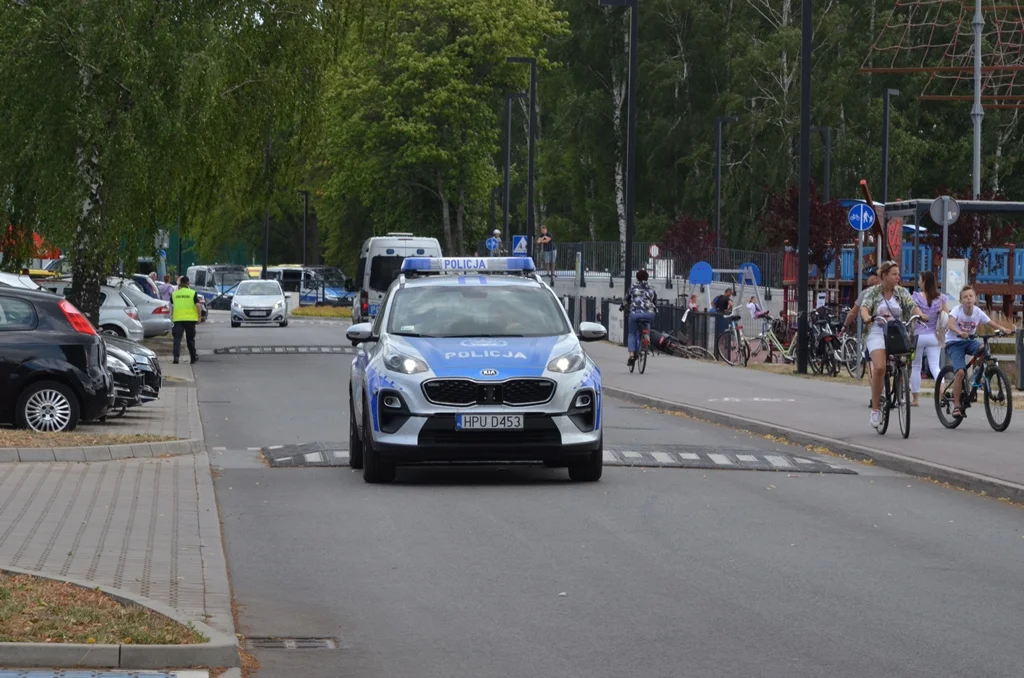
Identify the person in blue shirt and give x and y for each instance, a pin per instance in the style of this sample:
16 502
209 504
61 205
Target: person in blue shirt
641 304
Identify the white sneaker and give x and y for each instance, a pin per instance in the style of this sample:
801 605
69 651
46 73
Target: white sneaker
876 418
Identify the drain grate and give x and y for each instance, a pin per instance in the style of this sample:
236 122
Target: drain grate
268 643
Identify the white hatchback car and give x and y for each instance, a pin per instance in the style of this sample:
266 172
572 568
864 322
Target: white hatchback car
473 360
259 302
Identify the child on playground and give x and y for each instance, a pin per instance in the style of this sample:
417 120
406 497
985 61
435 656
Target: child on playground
964 321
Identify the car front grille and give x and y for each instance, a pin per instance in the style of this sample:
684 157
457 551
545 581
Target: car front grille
466 392
439 431
257 312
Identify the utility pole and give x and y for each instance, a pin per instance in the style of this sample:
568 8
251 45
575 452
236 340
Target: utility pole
266 218
807 30
305 218
977 111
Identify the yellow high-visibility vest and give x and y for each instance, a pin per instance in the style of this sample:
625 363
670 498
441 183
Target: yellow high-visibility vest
184 305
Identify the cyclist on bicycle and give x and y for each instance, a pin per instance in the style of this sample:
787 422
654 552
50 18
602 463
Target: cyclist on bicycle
881 304
964 321
642 298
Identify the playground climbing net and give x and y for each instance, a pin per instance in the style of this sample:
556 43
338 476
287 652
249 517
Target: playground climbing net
936 37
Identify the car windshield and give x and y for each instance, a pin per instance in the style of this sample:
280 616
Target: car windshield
230 278
261 288
476 311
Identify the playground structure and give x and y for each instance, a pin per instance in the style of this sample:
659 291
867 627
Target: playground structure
747 275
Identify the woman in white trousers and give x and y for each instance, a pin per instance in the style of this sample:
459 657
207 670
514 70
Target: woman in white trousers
932 304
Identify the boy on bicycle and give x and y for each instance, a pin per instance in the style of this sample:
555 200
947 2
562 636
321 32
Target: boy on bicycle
964 321
642 298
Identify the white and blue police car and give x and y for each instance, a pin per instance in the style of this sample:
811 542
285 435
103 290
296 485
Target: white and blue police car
473 360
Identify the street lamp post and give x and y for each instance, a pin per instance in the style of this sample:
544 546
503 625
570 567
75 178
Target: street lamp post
807 31
887 94
532 134
305 218
634 32
826 132
266 218
720 122
509 98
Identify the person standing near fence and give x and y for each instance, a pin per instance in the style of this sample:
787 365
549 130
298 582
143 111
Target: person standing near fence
547 243
640 305
932 304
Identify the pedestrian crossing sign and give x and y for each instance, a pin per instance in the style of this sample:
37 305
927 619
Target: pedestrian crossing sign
519 246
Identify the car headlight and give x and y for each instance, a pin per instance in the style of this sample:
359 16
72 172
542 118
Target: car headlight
573 361
278 305
116 364
404 364
235 304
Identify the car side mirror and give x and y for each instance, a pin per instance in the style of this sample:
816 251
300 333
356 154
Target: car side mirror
360 333
592 332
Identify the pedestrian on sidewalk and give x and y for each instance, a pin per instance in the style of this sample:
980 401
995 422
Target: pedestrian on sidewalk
640 306
185 313
723 305
933 305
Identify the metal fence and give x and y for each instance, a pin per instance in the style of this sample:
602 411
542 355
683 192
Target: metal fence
602 260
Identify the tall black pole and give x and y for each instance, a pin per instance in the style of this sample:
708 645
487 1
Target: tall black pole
181 236
805 184
532 131
508 159
266 218
827 135
305 219
719 124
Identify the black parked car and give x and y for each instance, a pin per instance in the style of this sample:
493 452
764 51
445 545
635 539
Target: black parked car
52 363
146 362
127 379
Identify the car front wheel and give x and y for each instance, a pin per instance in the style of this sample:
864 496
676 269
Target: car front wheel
355 445
590 470
374 469
48 407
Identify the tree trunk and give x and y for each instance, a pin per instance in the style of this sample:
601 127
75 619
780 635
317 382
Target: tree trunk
460 217
446 217
619 83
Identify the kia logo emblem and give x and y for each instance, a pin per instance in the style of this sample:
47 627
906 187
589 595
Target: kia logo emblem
489 373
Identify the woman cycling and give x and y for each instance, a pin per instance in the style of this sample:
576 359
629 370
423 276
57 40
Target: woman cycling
932 304
642 298
882 302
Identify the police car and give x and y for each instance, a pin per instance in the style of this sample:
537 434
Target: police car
473 360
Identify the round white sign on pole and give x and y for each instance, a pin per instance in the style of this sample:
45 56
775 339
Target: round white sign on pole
654 251
952 210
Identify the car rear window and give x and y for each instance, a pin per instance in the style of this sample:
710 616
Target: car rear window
16 314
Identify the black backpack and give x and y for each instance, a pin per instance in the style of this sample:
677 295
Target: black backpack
897 338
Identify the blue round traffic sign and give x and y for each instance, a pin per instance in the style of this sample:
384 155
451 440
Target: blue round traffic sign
861 217
492 244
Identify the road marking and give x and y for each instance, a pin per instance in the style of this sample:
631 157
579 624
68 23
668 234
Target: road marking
608 455
801 460
747 457
341 455
720 459
663 457
219 449
275 447
689 455
631 455
314 457
778 461
283 459
254 449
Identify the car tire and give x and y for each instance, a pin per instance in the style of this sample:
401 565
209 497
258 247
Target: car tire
113 331
374 470
589 471
47 394
234 324
355 445
283 323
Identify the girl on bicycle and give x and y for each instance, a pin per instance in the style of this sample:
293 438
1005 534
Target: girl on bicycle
642 298
964 321
884 301
932 304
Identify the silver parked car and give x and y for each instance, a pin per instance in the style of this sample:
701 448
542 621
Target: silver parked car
155 314
118 315
259 301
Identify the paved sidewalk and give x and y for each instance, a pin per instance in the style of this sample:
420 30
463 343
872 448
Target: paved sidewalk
148 526
819 408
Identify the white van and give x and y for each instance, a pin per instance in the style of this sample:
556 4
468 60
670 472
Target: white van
380 262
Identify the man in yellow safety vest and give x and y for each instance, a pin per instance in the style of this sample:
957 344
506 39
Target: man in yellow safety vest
185 313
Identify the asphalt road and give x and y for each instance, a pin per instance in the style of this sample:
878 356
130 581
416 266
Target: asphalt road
664 571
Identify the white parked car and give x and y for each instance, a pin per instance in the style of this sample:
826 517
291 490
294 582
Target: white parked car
155 314
18 281
118 315
259 302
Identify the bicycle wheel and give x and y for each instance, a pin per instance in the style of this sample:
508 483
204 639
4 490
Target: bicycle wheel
760 351
851 354
641 359
998 397
902 396
727 349
886 404
744 352
699 353
944 404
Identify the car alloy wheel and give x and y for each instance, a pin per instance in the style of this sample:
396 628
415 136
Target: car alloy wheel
48 410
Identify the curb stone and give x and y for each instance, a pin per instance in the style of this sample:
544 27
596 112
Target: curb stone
967 480
172 448
220 651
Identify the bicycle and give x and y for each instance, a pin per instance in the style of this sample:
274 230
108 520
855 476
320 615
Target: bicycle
768 342
732 346
984 365
643 345
678 344
896 384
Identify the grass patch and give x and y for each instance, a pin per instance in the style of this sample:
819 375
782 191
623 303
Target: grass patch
12 437
322 312
775 368
38 610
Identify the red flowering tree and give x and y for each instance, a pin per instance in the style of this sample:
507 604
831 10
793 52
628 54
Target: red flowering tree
688 238
780 220
973 235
